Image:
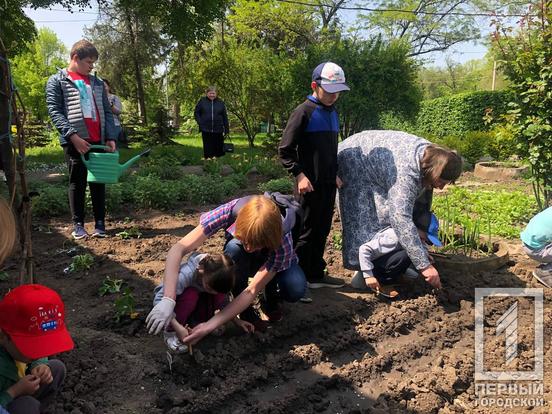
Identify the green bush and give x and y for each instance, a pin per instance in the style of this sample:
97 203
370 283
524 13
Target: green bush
152 192
472 145
504 144
113 197
282 185
52 201
165 169
458 114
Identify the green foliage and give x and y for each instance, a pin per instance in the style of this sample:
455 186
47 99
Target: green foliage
424 25
472 145
132 233
81 263
504 144
152 192
32 68
459 114
282 27
454 78
282 185
4 276
16 28
337 240
505 211
124 306
51 202
167 168
110 286
527 60
270 144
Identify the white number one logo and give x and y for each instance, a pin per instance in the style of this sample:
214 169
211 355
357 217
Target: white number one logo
508 325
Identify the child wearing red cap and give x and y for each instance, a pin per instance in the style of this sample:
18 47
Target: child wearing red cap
32 327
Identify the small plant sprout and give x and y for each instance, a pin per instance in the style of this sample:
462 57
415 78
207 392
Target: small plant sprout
124 306
132 233
337 240
81 263
110 286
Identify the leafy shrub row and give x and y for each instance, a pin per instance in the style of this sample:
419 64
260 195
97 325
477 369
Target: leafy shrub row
461 113
144 192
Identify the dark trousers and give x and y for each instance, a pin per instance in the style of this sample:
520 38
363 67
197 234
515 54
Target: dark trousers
319 207
288 285
212 144
36 403
388 268
77 188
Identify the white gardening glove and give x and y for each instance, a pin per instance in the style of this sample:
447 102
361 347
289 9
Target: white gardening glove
160 315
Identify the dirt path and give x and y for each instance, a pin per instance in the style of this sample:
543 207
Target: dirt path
347 352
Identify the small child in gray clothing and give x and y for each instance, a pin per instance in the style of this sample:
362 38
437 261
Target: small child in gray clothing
386 241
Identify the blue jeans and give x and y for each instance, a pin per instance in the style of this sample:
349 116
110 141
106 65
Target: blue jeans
288 285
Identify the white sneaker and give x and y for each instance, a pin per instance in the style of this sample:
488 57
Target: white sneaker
173 343
358 281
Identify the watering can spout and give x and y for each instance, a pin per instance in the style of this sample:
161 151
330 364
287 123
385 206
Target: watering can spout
128 164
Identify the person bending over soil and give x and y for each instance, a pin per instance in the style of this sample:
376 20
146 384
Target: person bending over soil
383 173
204 282
259 241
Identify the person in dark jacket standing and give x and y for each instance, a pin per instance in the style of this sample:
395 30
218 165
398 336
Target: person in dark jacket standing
210 114
308 150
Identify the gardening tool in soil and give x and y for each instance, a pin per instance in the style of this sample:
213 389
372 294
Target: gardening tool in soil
104 167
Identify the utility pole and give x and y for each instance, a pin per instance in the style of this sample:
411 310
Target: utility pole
494 75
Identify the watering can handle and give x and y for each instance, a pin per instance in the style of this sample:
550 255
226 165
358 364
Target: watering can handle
104 147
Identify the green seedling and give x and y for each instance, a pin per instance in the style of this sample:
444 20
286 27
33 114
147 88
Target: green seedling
132 233
110 286
124 306
337 240
4 276
81 263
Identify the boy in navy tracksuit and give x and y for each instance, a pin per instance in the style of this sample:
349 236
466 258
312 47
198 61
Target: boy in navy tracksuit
308 150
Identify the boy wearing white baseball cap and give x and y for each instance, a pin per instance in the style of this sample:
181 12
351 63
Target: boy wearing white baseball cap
308 150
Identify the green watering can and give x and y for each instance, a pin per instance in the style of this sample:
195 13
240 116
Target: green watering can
104 167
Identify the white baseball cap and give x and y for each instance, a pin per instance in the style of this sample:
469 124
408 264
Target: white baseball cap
330 77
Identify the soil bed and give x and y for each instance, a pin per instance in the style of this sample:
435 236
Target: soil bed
347 352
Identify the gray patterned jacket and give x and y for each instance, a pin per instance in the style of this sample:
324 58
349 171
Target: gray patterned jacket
382 177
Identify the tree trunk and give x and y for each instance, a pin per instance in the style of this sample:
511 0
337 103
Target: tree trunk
137 69
176 114
6 151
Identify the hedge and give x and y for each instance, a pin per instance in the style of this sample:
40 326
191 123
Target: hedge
458 114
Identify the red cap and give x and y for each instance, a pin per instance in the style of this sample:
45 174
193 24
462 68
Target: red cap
34 318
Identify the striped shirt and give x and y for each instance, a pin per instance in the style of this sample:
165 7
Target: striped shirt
221 218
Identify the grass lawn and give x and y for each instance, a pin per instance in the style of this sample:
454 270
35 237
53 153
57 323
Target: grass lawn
189 147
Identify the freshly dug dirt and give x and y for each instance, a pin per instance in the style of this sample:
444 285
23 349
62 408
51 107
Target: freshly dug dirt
347 352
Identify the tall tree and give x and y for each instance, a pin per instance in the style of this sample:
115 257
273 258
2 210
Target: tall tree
283 27
32 68
425 25
131 46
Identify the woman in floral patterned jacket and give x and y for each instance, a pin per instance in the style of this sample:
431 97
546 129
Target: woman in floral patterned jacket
383 173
